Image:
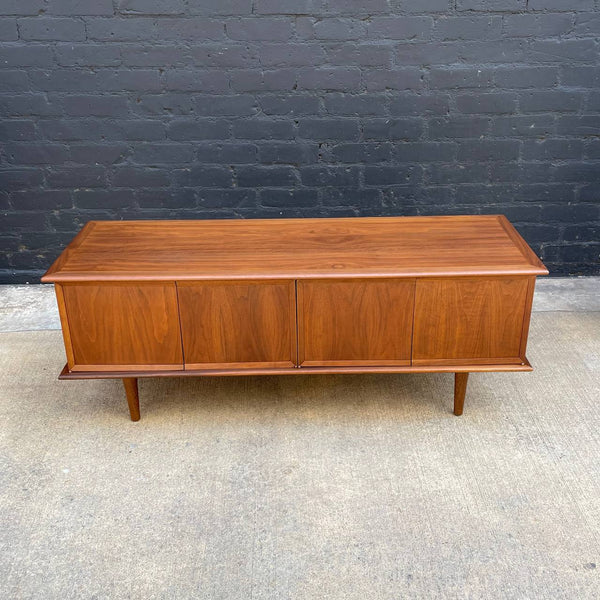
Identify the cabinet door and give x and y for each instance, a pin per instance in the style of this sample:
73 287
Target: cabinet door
471 320
123 326
355 322
238 324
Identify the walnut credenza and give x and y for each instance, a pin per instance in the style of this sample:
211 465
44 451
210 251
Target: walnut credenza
295 296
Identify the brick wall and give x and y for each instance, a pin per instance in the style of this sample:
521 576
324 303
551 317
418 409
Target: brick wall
119 109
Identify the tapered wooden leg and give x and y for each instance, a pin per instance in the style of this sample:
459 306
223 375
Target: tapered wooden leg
133 399
460 389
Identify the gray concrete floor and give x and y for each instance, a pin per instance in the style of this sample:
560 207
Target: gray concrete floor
33 307
334 487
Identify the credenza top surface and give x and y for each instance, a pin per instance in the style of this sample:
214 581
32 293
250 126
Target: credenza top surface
295 248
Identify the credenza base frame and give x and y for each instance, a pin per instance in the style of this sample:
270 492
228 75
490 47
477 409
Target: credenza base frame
461 374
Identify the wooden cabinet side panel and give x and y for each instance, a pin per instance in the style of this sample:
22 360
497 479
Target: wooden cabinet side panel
476 320
355 322
527 317
229 324
123 325
64 324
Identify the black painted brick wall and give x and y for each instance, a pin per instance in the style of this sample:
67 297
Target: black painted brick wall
115 109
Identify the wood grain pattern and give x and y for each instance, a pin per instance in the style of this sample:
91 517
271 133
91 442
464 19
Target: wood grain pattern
128 325
232 324
469 319
349 322
295 249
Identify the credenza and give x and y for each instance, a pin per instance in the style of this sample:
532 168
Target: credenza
295 296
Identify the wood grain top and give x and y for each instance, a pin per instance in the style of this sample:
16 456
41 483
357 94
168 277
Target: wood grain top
295 249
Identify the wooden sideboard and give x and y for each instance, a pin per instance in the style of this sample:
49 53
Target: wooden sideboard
295 296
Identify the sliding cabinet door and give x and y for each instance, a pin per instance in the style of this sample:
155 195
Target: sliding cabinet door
233 324
355 321
470 320
122 326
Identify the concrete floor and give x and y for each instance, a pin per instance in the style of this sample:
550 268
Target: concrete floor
336 487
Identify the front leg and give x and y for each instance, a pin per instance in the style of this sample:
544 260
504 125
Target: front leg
133 399
460 389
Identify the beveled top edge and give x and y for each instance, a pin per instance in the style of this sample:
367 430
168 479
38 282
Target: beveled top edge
533 265
242 221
